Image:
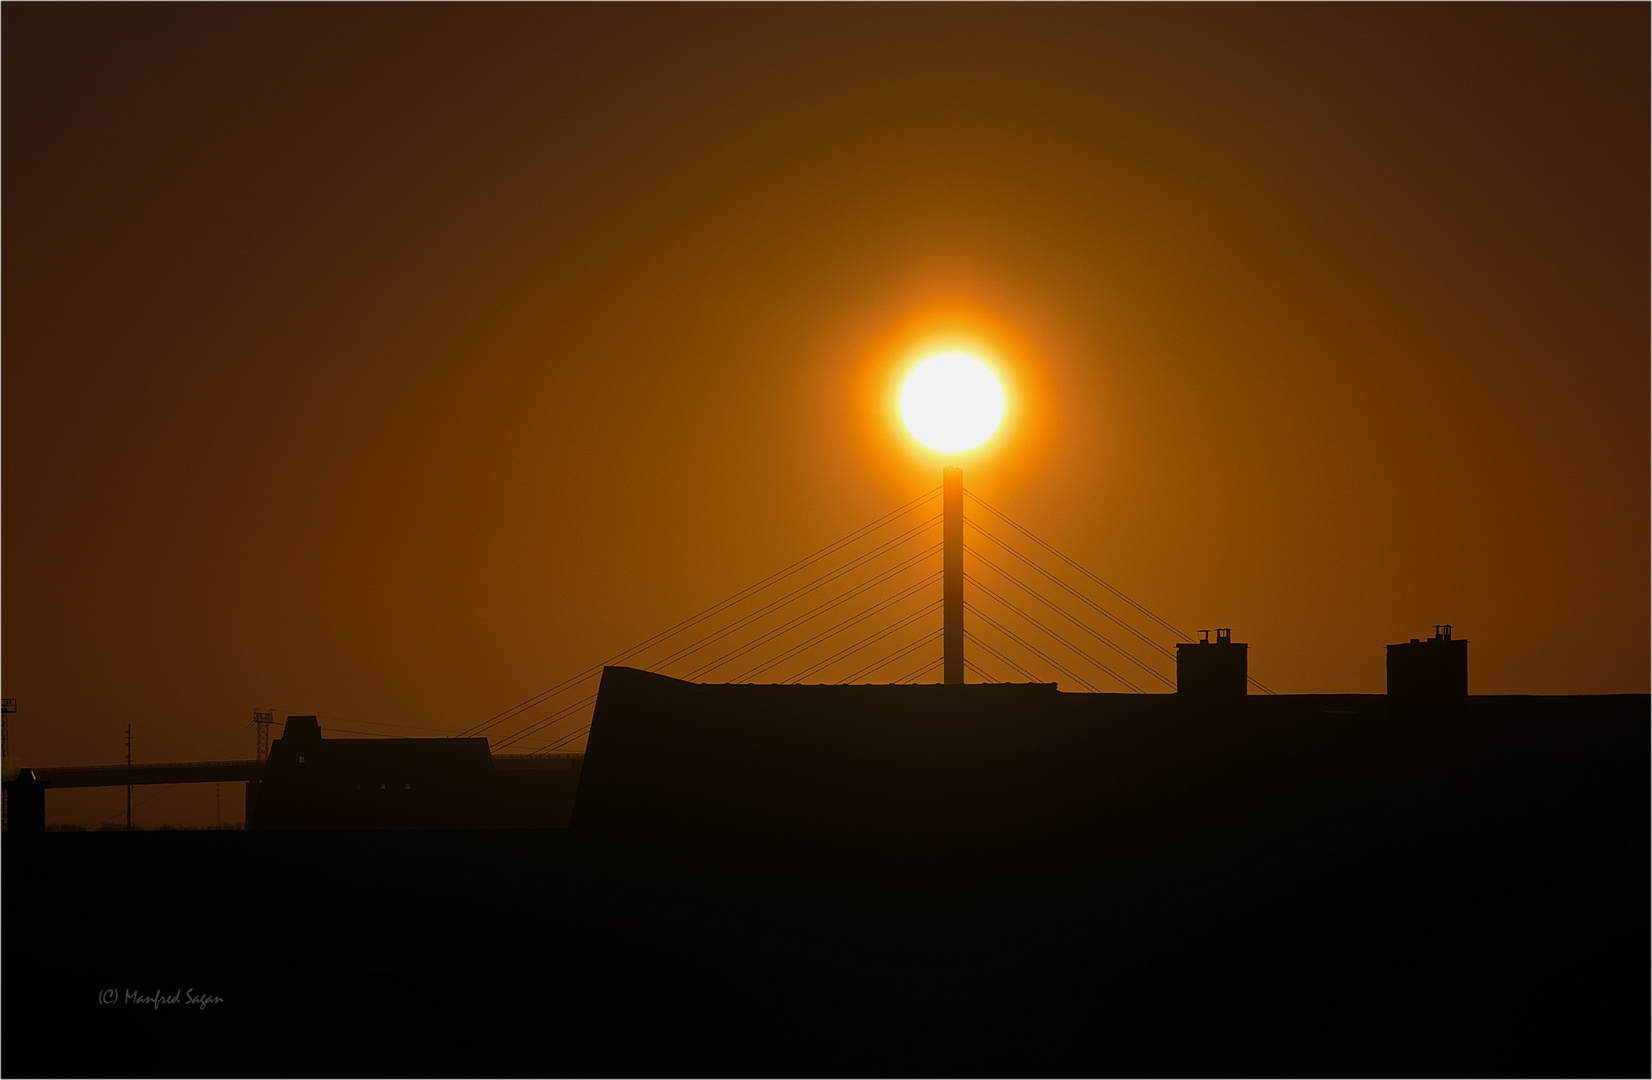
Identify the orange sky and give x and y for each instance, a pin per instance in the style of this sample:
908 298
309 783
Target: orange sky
390 363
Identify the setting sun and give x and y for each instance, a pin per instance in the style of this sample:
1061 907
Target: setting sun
952 402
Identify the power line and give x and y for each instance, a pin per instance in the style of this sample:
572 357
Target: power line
129 772
161 789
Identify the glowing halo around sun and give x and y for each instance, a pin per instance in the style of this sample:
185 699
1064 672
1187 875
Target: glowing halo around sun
952 402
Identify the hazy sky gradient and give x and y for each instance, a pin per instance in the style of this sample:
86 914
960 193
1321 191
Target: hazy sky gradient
392 362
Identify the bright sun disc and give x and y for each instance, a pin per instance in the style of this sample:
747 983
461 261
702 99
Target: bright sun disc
952 402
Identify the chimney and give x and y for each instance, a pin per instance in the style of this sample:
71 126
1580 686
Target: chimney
1432 669
1212 670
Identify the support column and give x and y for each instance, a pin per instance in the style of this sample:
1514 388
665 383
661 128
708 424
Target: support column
952 575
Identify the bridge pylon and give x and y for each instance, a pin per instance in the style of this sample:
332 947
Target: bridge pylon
952 575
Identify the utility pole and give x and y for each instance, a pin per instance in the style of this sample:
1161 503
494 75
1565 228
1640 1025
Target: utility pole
7 707
262 719
128 777
952 575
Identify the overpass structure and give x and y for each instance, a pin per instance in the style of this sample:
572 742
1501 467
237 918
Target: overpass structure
174 772
209 772
26 788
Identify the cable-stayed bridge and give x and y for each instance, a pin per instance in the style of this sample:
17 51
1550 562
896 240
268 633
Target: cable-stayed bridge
946 586
869 608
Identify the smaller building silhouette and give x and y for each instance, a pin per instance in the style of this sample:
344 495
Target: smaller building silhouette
1436 668
311 782
1212 670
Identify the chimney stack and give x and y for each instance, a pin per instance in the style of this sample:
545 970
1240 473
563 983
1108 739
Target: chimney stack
1436 668
1212 670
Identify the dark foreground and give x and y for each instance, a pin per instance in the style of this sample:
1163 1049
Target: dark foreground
1200 951
972 881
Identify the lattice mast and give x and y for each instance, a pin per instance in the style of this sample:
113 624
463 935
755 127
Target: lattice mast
261 720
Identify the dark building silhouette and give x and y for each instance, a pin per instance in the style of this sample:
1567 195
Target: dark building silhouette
1432 669
1212 670
315 783
26 802
674 753
666 754
902 880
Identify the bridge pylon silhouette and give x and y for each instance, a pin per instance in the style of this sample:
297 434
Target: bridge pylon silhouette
854 610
